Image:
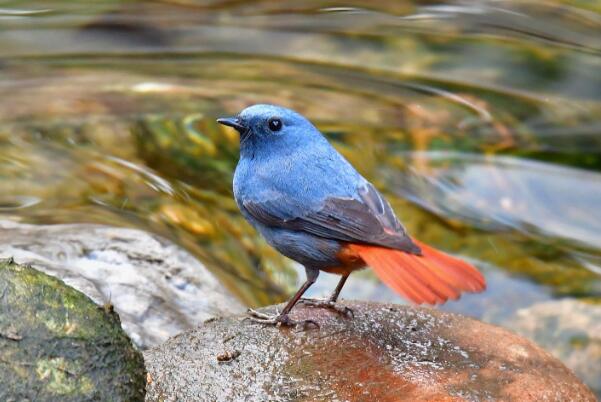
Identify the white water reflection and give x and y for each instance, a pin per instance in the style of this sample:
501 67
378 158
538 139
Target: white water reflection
498 192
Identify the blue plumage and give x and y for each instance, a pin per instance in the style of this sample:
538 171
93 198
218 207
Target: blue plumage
296 162
301 194
304 197
292 171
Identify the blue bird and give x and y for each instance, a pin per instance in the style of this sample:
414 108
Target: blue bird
311 205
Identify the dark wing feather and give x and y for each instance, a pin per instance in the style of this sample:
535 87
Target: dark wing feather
366 220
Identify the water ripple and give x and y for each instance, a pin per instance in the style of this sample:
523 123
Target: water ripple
16 202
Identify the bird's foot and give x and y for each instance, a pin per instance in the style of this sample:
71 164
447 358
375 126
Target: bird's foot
279 320
330 305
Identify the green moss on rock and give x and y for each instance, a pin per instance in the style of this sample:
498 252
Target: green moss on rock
56 344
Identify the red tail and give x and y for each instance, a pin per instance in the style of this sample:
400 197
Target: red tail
432 278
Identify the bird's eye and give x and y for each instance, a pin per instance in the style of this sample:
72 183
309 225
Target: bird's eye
275 124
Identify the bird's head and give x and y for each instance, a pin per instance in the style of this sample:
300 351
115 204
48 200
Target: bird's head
270 126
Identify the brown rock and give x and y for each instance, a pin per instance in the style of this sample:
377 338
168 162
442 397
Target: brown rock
386 353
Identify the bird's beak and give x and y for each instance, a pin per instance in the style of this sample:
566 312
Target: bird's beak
233 122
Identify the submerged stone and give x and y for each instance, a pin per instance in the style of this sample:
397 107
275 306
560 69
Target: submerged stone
570 329
57 345
385 353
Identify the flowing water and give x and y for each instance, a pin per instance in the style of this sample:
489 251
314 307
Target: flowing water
480 122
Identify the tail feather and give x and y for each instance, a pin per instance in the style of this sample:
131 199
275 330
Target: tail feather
471 277
436 278
409 279
433 278
399 283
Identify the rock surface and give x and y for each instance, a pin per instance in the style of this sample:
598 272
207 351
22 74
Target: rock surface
386 353
57 345
158 289
570 329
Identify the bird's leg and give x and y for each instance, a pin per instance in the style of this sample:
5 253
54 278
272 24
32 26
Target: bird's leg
330 303
341 282
283 318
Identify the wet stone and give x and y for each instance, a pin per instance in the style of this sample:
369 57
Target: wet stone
157 288
57 345
570 329
386 353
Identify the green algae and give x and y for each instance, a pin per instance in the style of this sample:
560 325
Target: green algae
56 344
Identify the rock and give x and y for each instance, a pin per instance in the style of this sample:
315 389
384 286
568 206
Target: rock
386 353
570 329
157 288
56 344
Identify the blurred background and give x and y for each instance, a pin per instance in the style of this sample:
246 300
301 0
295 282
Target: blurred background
479 120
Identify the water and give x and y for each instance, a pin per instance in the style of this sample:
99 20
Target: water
478 120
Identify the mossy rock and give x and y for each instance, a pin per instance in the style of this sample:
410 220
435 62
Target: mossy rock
56 344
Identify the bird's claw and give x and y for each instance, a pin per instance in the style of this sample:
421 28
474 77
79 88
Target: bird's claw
279 320
330 305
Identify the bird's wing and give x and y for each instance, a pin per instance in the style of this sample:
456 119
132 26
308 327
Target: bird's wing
366 219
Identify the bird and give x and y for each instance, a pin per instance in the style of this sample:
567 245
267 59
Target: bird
315 208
